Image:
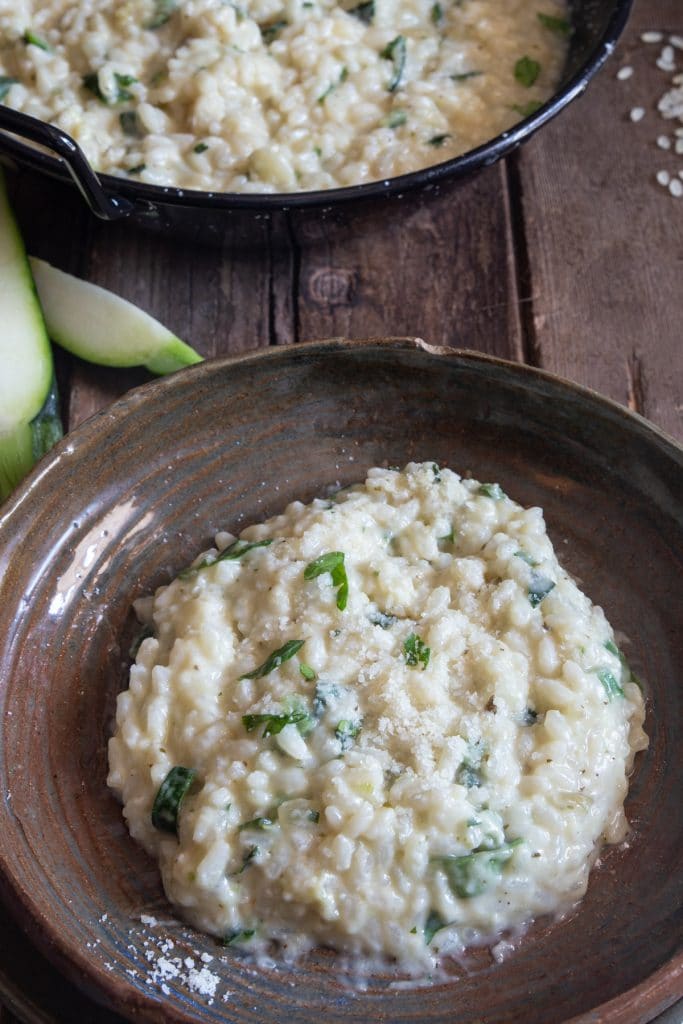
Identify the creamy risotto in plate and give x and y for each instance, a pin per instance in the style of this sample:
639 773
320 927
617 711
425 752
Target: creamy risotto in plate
278 95
387 721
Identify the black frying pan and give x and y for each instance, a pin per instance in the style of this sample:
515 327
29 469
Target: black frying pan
597 24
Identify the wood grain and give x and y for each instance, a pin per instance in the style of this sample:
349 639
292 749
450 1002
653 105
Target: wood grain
439 267
604 241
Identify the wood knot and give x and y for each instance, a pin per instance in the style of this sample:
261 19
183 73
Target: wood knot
332 286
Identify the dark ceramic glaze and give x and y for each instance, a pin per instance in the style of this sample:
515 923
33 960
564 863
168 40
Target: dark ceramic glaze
127 500
208 217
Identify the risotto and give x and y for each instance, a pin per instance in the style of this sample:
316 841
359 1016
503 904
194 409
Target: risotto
278 95
387 721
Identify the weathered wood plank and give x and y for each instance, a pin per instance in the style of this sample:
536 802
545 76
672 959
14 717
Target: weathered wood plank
440 267
218 301
605 241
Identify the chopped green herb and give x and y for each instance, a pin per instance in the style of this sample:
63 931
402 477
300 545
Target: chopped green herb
448 538
170 796
382 619
31 39
559 25
436 13
436 472
395 51
272 31
130 123
332 562
275 723
343 75
626 668
229 554
612 686
433 924
274 660
234 938
526 558
462 76
201 147
346 732
264 824
471 874
163 9
527 71
539 587
527 109
144 633
415 651
249 856
438 140
364 11
123 95
138 169
529 717
395 119
307 672
6 84
494 491
313 816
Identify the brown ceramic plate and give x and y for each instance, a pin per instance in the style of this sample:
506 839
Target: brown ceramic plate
134 493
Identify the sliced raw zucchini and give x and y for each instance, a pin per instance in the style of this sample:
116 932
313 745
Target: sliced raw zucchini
103 328
29 417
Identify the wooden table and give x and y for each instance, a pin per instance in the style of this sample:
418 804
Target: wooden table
568 256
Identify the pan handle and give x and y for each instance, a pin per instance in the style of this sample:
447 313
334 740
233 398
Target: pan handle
27 127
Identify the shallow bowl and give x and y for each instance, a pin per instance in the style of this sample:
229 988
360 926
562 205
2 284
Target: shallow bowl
127 500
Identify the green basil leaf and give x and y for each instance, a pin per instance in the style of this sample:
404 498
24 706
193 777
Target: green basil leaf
471 874
494 491
611 684
416 652
275 659
332 562
364 11
559 25
433 924
527 71
169 798
236 550
539 587
396 52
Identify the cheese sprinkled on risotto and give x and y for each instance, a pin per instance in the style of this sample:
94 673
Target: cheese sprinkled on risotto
279 95
387 721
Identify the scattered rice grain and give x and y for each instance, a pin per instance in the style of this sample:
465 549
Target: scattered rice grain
664 142
624 73
652 37
637 114
676 187
663 178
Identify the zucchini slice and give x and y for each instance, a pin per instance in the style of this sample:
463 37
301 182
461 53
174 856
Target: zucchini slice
103 328
29 417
